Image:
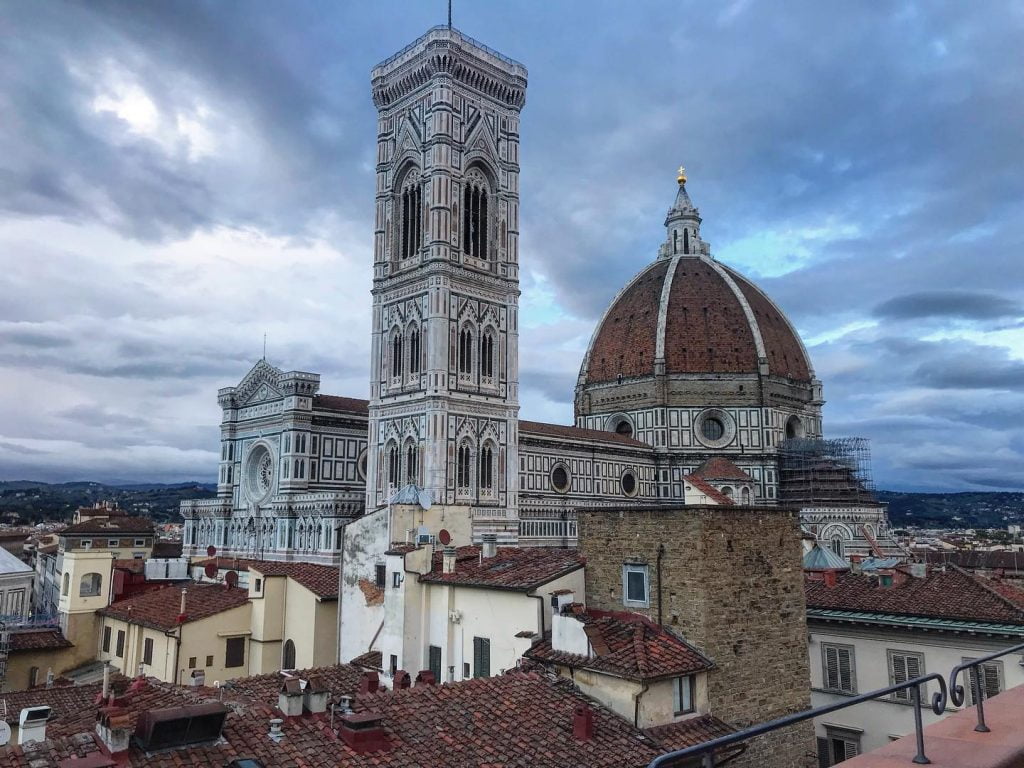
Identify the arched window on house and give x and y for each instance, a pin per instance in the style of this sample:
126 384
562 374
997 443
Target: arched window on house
487 354
745 495
393 465
686 241
90 585
412 215
411 468
396 354
463 468
465 351
474 216
288 658
486 469
727 490
414 350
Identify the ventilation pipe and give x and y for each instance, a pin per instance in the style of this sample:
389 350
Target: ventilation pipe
490 545
583 723
448 560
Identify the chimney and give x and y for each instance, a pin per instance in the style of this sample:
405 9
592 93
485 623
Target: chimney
830 579
344 704
448 560
364 732
401 680
490 545
369 682
583 723
315 695
113 727
276 734
32 724
919 570
425 677
181 614
289 697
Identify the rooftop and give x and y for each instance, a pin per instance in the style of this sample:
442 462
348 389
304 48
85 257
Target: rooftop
38 640
104 526
720 468
688 733
321 580
708 490
341 404
540 428
943 594
626 645
159 608
513 568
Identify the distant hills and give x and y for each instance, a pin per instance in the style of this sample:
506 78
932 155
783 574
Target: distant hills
25 501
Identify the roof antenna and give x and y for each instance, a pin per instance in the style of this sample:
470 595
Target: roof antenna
264 345
449 14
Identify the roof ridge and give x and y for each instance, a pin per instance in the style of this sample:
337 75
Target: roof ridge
995 593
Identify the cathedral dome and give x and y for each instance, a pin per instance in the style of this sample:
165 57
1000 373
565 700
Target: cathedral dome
686 313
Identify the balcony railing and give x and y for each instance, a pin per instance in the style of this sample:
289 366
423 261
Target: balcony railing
952 692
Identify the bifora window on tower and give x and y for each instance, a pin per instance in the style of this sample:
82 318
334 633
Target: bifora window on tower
412 214
474 215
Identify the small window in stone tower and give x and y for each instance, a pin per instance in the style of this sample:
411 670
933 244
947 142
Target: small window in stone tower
635 585
465 351
412 216
414 351
462 468
411 469
396 354
393 465
487 355
486 468
474 217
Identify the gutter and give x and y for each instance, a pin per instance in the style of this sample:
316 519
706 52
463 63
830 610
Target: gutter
636 704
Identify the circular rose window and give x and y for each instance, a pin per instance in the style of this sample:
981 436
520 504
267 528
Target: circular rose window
259 474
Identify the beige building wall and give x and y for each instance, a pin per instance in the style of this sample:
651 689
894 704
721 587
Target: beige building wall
77 607
282 610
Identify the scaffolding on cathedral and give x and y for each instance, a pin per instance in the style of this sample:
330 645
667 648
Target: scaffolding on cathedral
815 471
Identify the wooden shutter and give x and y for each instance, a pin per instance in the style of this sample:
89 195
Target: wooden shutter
824 759
831 667
990 680
234 655
851 748
845 669
481 657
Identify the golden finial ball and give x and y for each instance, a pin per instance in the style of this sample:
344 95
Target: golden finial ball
681 178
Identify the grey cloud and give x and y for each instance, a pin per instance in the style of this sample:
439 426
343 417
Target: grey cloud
960 304
972 373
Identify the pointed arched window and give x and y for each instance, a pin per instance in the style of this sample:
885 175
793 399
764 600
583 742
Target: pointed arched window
474 216
411 468
486 469
465 351
414 350
487 354
396 354
686 241
462 468
412 215
393 465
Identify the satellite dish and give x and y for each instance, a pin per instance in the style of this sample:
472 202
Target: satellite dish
231 577
425 499
444 537
211 551
5 733
210 570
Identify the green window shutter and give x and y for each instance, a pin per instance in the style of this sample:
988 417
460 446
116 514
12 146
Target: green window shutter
831 667
845 670
990 680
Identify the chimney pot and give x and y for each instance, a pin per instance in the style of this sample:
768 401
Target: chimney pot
363 732
490 545
401 680
369 682
830 579
583 723
448 560
425 677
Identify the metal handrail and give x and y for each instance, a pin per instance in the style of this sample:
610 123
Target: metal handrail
951 692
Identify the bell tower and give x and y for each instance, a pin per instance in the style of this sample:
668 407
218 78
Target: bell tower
444 376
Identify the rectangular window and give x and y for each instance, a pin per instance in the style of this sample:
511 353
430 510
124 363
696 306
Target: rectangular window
991 680
380 576
635 587
903 666
86 543
396 579
842 745
481 657
393 664
191 662
435 662
313 449
114 543
140 542
106 639
258 586
119 650
465 670
837 667
234 655
147 651
682 694
209 661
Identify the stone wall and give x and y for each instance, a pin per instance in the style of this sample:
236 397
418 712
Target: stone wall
732 584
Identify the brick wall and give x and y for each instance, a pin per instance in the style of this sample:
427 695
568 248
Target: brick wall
732 584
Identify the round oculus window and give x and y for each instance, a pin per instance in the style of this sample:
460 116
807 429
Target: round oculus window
624 428
259 474
560 478
628 483
715 428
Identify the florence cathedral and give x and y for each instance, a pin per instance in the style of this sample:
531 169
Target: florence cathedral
695 388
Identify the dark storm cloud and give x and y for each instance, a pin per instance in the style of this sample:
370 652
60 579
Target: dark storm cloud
971 373
959 304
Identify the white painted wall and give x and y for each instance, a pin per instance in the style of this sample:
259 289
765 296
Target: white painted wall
881 720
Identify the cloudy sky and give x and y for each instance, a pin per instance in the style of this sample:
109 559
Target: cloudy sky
179 178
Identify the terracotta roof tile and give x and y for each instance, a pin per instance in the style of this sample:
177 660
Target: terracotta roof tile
370 659
38 639
720 468
577 433
688 733
626 645
948 594
321 580
104 526
159 608
515 568
341 404
708 489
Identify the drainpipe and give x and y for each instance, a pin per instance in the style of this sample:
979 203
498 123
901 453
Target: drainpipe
661 553
542 610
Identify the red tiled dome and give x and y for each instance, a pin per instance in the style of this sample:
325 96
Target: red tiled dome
711 320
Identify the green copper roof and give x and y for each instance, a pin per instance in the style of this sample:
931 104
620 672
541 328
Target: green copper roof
914 622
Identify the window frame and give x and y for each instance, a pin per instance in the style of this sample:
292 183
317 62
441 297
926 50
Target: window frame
905 696
239 644
1000 672
106 638
119 646
849 736
481 657
635 567
838 647
147 651
687 684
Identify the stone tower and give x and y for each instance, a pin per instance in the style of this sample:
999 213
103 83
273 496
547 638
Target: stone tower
444 373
